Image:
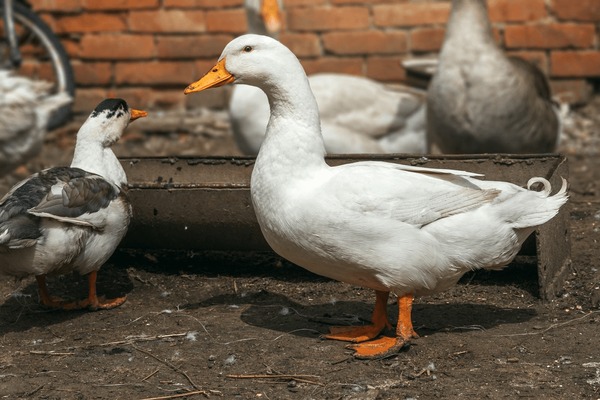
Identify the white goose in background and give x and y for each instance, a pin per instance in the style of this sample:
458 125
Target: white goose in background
358 115
66 219
480 100
392 228
25 108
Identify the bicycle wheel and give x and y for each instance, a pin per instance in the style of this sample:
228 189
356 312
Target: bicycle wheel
43 56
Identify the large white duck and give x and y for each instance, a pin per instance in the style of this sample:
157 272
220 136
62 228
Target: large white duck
66 219
480 100
358 115
25 108
389 227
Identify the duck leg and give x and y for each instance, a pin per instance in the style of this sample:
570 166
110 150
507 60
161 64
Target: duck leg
93 302
45 298
385 346
357 334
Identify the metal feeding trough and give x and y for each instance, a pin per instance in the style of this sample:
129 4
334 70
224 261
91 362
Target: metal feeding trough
204 204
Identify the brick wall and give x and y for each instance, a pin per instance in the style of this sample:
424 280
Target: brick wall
147 51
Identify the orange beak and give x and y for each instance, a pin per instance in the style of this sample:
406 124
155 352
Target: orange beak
217 76
271 15
135 114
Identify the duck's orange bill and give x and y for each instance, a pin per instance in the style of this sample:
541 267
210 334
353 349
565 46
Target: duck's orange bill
217 76
271 15
135 114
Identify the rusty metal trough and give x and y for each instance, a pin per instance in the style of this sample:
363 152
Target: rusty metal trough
204 203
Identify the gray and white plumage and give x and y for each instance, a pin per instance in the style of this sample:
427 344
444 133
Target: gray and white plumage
358 114
480 100
25 108
66 219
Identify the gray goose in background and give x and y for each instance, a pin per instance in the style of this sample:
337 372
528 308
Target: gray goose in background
25 108
480 100
66 219
358 114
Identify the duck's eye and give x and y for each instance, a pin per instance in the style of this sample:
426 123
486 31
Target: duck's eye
248 49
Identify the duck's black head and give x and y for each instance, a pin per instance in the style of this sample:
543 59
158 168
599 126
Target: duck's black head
112 107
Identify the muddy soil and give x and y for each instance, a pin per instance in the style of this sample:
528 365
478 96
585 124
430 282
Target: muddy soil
247 326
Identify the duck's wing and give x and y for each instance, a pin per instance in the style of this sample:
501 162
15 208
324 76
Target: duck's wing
413 195
70 195
76 197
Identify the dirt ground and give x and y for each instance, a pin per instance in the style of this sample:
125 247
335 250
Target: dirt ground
246 326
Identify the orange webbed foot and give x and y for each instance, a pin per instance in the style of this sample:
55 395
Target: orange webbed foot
94 304
383 347
357 334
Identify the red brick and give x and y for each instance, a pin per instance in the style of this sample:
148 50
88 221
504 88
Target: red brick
87 99
89 22
580 10
353 66
136 97
154 73
201 67
302 44
575 63
328 18
538 58
202 3
72 47
117 47
411 14
98 73
167 99
365 42
119 4
227 21
426 39
57 5
304 3
340 2
386 69
167 21
199 46
516 10
572 91
550 36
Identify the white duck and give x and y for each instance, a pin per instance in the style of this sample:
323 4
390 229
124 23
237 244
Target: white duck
25 108
358 115
392 228
66 219
480 100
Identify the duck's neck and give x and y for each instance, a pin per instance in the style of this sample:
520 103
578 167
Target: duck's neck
469 27
293 140
93 156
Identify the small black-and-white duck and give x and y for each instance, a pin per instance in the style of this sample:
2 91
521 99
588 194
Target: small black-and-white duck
480 100
66 219
25 108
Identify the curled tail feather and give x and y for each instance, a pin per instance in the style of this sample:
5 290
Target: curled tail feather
542 207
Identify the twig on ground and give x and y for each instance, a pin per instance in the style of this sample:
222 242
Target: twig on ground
151 375
34 391
168 364
175 396
287 377
49 353
132 339
553 326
